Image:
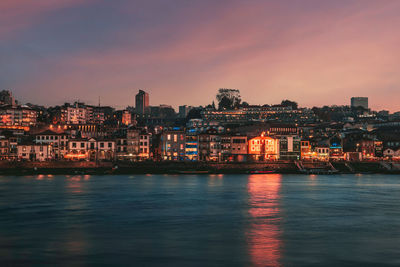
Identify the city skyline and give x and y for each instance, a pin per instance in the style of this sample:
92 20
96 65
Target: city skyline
315 53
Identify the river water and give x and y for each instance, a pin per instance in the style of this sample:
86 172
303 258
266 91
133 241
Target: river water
200 220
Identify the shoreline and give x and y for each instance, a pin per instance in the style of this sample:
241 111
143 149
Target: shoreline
199 168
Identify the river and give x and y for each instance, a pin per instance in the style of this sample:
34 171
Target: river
200 220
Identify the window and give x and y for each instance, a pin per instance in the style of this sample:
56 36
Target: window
74 145
175 138
82 145
102 145
109 145
169 137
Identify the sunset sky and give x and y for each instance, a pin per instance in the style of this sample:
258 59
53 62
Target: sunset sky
311 51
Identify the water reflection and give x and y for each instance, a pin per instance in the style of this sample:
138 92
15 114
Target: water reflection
264 234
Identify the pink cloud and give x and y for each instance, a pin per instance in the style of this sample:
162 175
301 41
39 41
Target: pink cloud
269 52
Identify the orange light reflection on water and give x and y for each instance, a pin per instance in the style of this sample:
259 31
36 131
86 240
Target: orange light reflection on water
264 235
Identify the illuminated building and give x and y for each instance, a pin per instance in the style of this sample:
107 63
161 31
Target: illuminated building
210 145
322 153
133 144
121 144
76 114
200 126
91 149
79 113
392 153
263 148
259 114
266 128
144 145
13 142
367 148
126 117
289 147
58 142
336 149
21 117
191 147
34 152
225 148
305 150
173 145
132 147
90 130
98 114
4 148
105 149
239 147
378 148
214 146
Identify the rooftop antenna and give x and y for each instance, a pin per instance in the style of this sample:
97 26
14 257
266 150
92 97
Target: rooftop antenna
99 101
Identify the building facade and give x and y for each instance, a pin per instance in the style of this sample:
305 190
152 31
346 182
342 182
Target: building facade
141 102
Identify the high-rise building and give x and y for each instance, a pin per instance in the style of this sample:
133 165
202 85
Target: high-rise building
184 111
6 98
142 102
359 102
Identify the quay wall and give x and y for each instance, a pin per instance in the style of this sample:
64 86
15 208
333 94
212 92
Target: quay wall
84 167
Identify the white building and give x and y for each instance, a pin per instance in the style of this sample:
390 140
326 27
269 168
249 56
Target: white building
144 145
57 141
91 149
34 152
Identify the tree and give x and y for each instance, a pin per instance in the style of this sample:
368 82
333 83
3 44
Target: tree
194 113
245 104
228 98
288 103
225 103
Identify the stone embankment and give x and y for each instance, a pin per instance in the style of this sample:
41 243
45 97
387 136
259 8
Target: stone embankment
84 167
